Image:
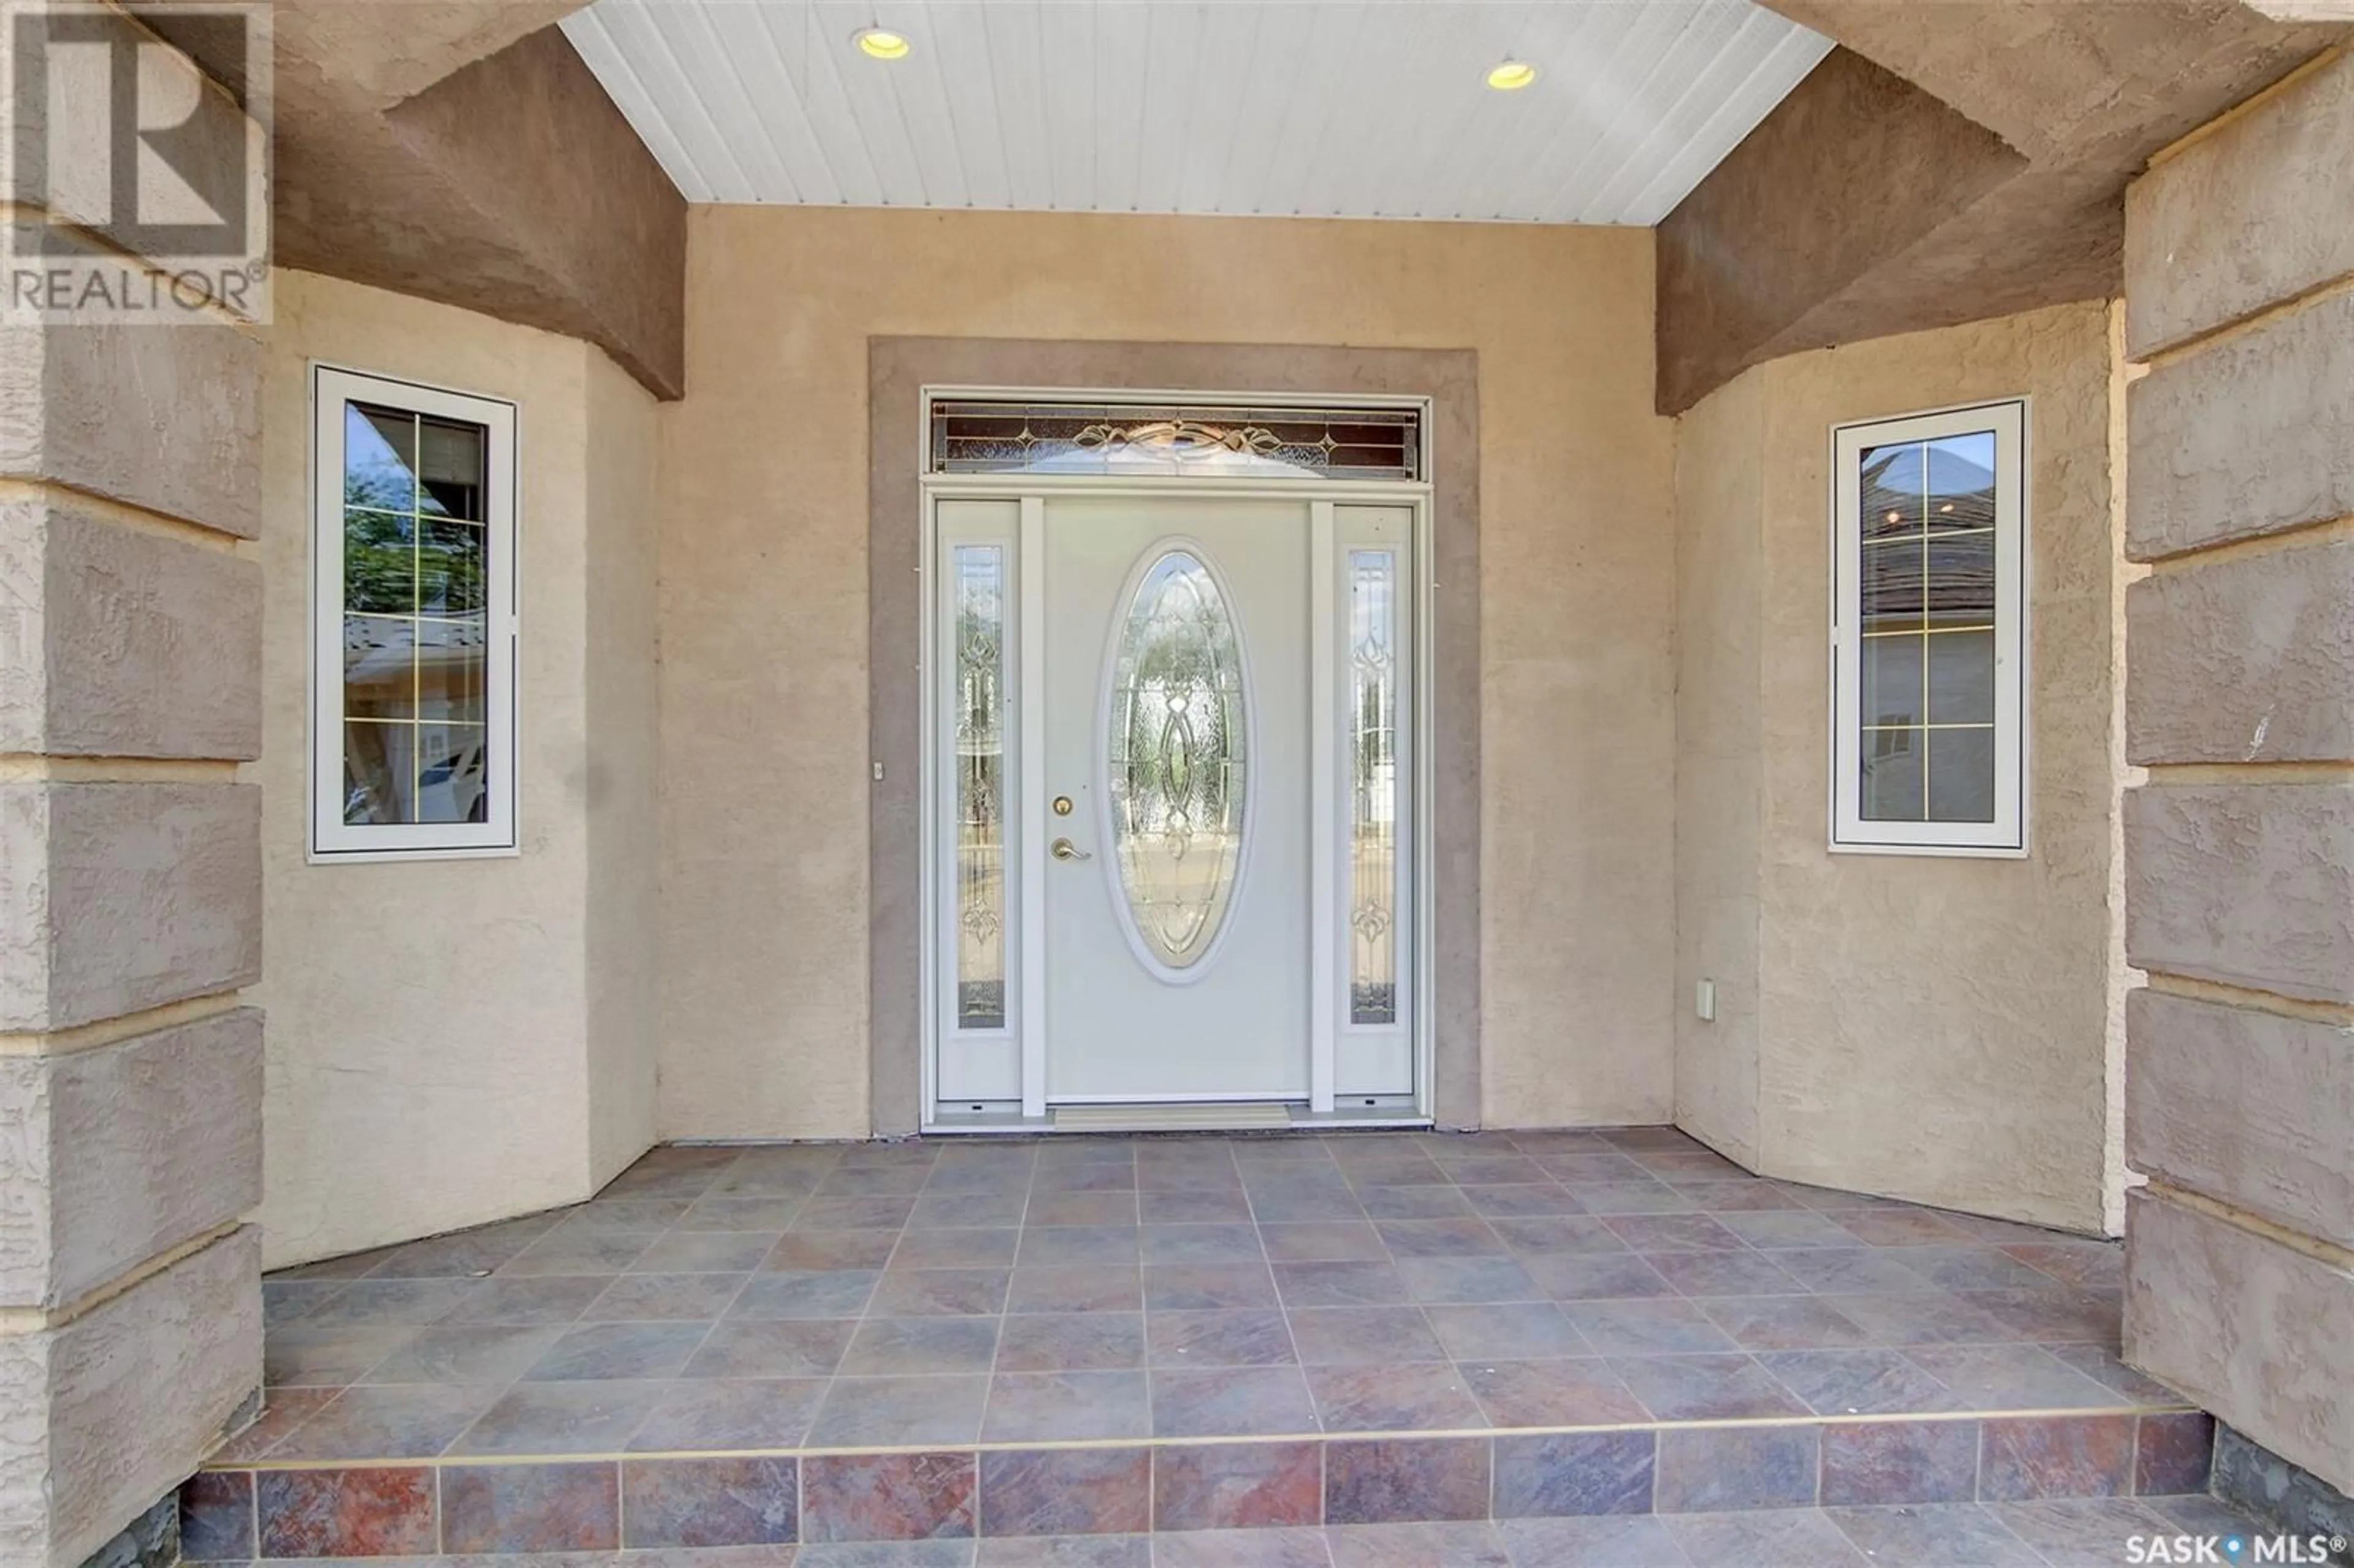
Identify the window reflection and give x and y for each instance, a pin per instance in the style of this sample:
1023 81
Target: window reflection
1927 611
416 570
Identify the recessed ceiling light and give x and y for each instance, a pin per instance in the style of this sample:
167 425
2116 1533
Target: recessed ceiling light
1510 75
883 44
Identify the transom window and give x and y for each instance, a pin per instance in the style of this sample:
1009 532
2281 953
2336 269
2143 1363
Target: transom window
1174 440
1929 738
413 613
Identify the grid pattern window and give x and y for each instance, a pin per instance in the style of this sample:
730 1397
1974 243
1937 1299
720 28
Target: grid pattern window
1929 738
414 627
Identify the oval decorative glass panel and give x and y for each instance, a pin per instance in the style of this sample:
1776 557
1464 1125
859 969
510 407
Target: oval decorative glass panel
1177 759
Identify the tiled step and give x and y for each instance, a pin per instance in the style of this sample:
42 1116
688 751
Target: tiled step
639 1501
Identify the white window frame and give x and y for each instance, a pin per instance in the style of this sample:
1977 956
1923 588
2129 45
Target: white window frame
330 838
2005 836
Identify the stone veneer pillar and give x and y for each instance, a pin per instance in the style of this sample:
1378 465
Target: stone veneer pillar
2240 848
130 918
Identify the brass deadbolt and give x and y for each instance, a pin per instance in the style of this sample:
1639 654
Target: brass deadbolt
1062 805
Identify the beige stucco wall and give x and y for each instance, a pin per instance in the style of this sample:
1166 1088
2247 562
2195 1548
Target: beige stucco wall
1720 762
454 1041
1933 1028
765 897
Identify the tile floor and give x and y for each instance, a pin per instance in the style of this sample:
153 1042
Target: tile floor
949 1293
2093 1533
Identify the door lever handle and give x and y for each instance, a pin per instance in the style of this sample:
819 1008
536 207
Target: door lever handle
1063 849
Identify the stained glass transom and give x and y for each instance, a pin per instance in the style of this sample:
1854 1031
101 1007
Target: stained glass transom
1177 765
1169 440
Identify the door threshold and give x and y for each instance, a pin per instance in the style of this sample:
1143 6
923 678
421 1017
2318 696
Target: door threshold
1200 1115
1176 1116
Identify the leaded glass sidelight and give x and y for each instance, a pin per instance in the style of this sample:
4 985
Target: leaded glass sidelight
1178 756
979 573
1374 786
416 554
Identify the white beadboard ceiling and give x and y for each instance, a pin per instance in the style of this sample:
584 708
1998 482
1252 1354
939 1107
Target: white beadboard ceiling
1364 109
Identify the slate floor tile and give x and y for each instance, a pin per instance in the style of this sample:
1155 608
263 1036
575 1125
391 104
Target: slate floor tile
1647 1328
729 1413
1525 1331
1625 1540
654 1297
1468 1279
601 1350
1935 1535
1068 1406
1286 1548
561 1418
1566 1393
415 1422
1237 1339
899 1411
1860 1381
1705 1387
1231 1402
1323 1241
902 1346
1341 1284
1466 1545
1071 1341
1054 1289
2009 1377
1207 1286
784 1294
1765 1538
771 1350
1783 1323
1353 1336
1424 1396
2091 1532
464 1355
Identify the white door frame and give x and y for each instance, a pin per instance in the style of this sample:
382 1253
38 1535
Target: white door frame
1024 1035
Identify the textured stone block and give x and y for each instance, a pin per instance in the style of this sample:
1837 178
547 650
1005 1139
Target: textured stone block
2246 1327
124 1151
101 1417
2254 213
2248 884
2249 436
117 642
2246 1106
116 898
2244 661
168 421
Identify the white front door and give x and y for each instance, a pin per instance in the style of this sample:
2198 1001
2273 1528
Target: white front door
1176 889
1173 825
